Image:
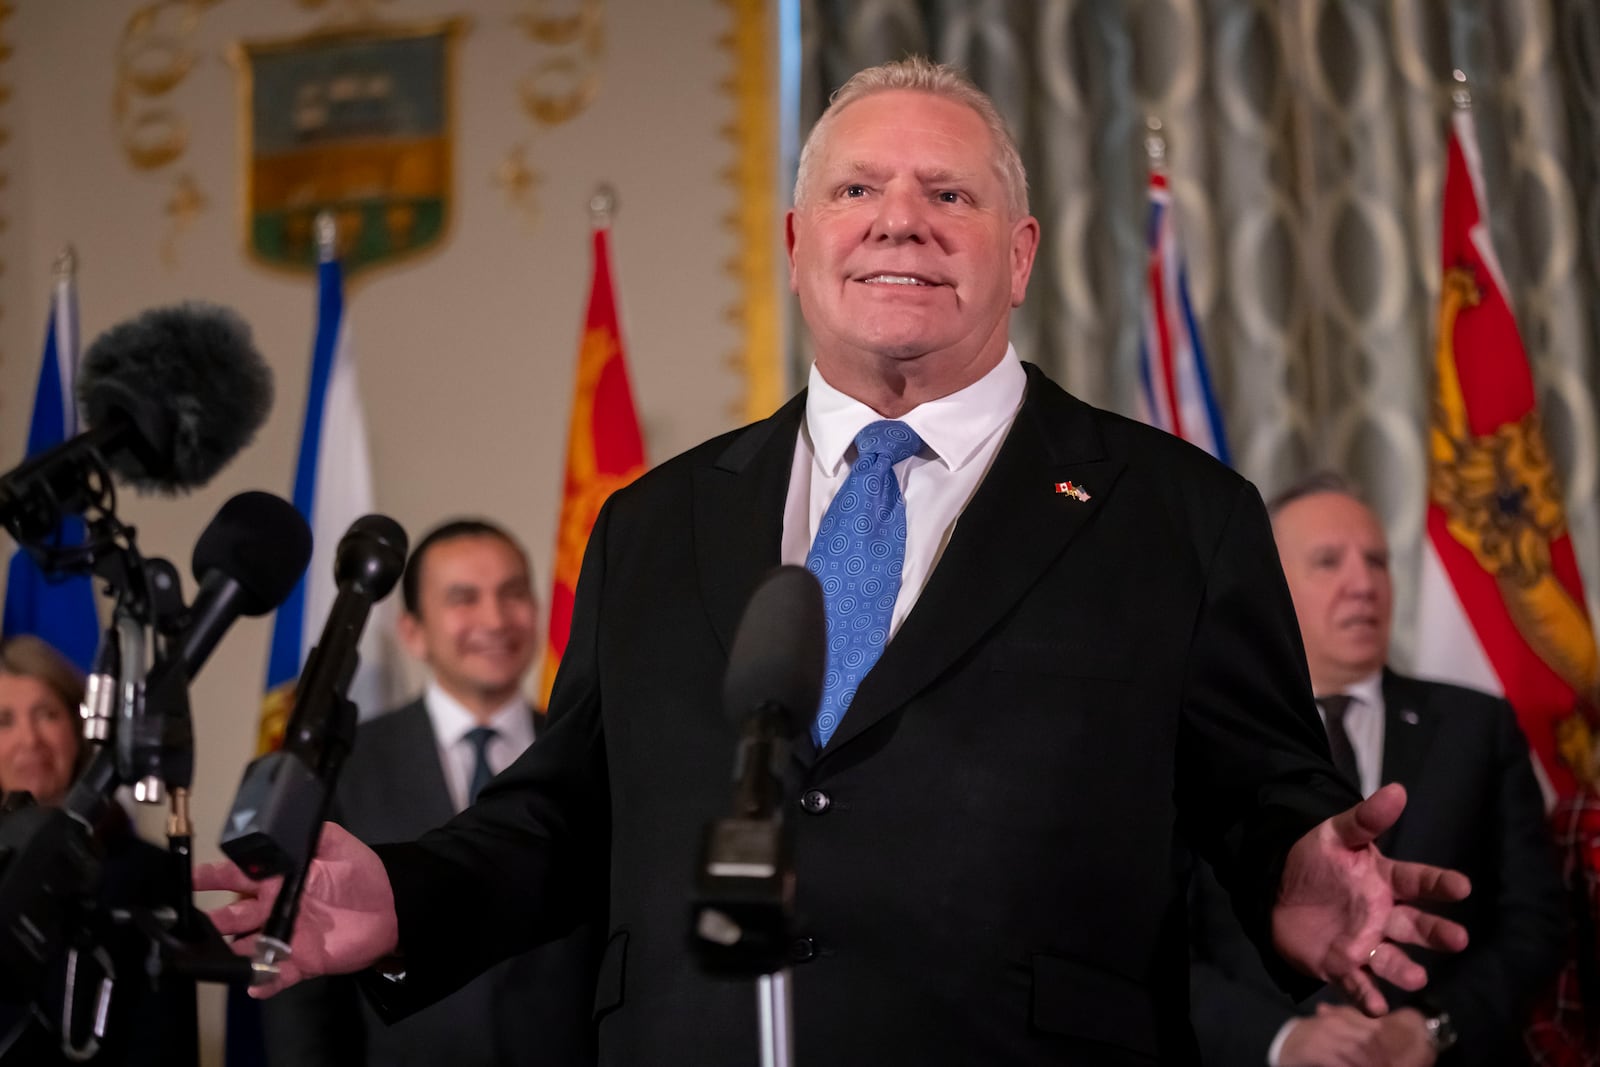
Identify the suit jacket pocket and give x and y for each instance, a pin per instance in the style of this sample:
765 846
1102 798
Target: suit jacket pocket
613 967
1079 1000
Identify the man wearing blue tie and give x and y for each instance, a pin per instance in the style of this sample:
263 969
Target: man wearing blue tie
471 616
1061 655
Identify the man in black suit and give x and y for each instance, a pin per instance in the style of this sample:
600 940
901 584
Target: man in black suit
1473 805
1093 669
471 616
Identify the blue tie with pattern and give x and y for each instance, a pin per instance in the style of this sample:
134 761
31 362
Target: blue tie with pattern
857 556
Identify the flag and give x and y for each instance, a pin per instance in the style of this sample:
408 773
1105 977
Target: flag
1501 605
61 610
332 488
1175 386
604 448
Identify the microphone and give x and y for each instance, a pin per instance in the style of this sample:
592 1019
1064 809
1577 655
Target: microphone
277 812
169 397
774 681
744 884
247 559
247 562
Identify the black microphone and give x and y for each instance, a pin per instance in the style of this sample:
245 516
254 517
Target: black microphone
774 680
247 559
247 562
277 812
744 884
169 397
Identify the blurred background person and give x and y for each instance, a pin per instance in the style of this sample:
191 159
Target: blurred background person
1474 805
41 751
471 616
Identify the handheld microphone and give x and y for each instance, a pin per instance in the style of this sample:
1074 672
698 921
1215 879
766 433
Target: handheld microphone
744 883
170 396
277 812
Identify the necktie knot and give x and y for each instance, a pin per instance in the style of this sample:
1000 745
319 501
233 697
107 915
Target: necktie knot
1333 706
889 438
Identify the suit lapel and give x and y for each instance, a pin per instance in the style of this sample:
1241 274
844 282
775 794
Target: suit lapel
1408 728
420 750
738 515
1015 526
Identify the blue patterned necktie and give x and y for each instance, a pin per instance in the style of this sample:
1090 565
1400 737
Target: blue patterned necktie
857 556
480 736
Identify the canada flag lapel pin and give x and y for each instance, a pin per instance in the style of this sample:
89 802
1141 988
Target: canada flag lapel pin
1075 491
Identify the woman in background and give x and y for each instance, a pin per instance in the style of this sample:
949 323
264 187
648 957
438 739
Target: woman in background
41 752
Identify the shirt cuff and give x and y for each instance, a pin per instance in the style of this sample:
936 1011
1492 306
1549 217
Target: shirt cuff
1275 1049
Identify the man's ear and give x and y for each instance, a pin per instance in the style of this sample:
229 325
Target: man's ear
409 629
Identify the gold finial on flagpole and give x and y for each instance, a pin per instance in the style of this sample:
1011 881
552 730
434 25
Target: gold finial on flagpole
1460 92
602 205
327 237
1154 143
66 265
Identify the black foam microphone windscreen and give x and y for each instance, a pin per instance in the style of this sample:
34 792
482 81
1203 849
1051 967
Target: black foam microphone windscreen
779 652
188 380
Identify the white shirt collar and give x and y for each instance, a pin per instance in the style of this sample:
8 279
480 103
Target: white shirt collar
451 720
1368 692
953 427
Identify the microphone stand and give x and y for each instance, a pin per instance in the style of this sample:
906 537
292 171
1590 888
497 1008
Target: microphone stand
743 912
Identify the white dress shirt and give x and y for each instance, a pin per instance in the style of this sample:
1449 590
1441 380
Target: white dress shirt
960 435
513 726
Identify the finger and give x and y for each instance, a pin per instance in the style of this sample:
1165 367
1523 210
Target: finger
1361 825
1412 927
1421 881
243 916
1360 990
1390 962
222 874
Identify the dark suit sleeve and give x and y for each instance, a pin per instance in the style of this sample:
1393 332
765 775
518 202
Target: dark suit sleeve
1235 1008
1254 773
526 863
1519 949
317 1023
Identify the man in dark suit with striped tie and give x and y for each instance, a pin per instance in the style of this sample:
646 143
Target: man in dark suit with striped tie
471 616
1474 805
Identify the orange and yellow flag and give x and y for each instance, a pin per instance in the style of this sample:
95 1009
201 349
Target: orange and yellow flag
604 449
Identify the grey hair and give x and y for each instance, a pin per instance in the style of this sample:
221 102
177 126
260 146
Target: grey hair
1322 481
923 75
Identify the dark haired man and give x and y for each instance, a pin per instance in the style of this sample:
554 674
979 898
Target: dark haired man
471 616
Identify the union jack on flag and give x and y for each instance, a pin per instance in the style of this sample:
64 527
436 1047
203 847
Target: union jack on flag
1175 387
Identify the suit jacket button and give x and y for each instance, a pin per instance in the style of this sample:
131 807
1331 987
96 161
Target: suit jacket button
815 801
802 950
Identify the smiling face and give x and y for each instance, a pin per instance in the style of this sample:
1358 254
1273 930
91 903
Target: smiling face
38 739
904 250
1336 559
476 620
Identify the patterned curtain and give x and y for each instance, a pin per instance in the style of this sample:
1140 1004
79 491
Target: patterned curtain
1305 151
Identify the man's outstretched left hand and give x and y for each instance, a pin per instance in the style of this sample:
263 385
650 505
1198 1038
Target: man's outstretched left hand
1344 909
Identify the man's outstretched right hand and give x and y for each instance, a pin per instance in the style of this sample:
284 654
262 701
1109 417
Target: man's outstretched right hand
347 920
